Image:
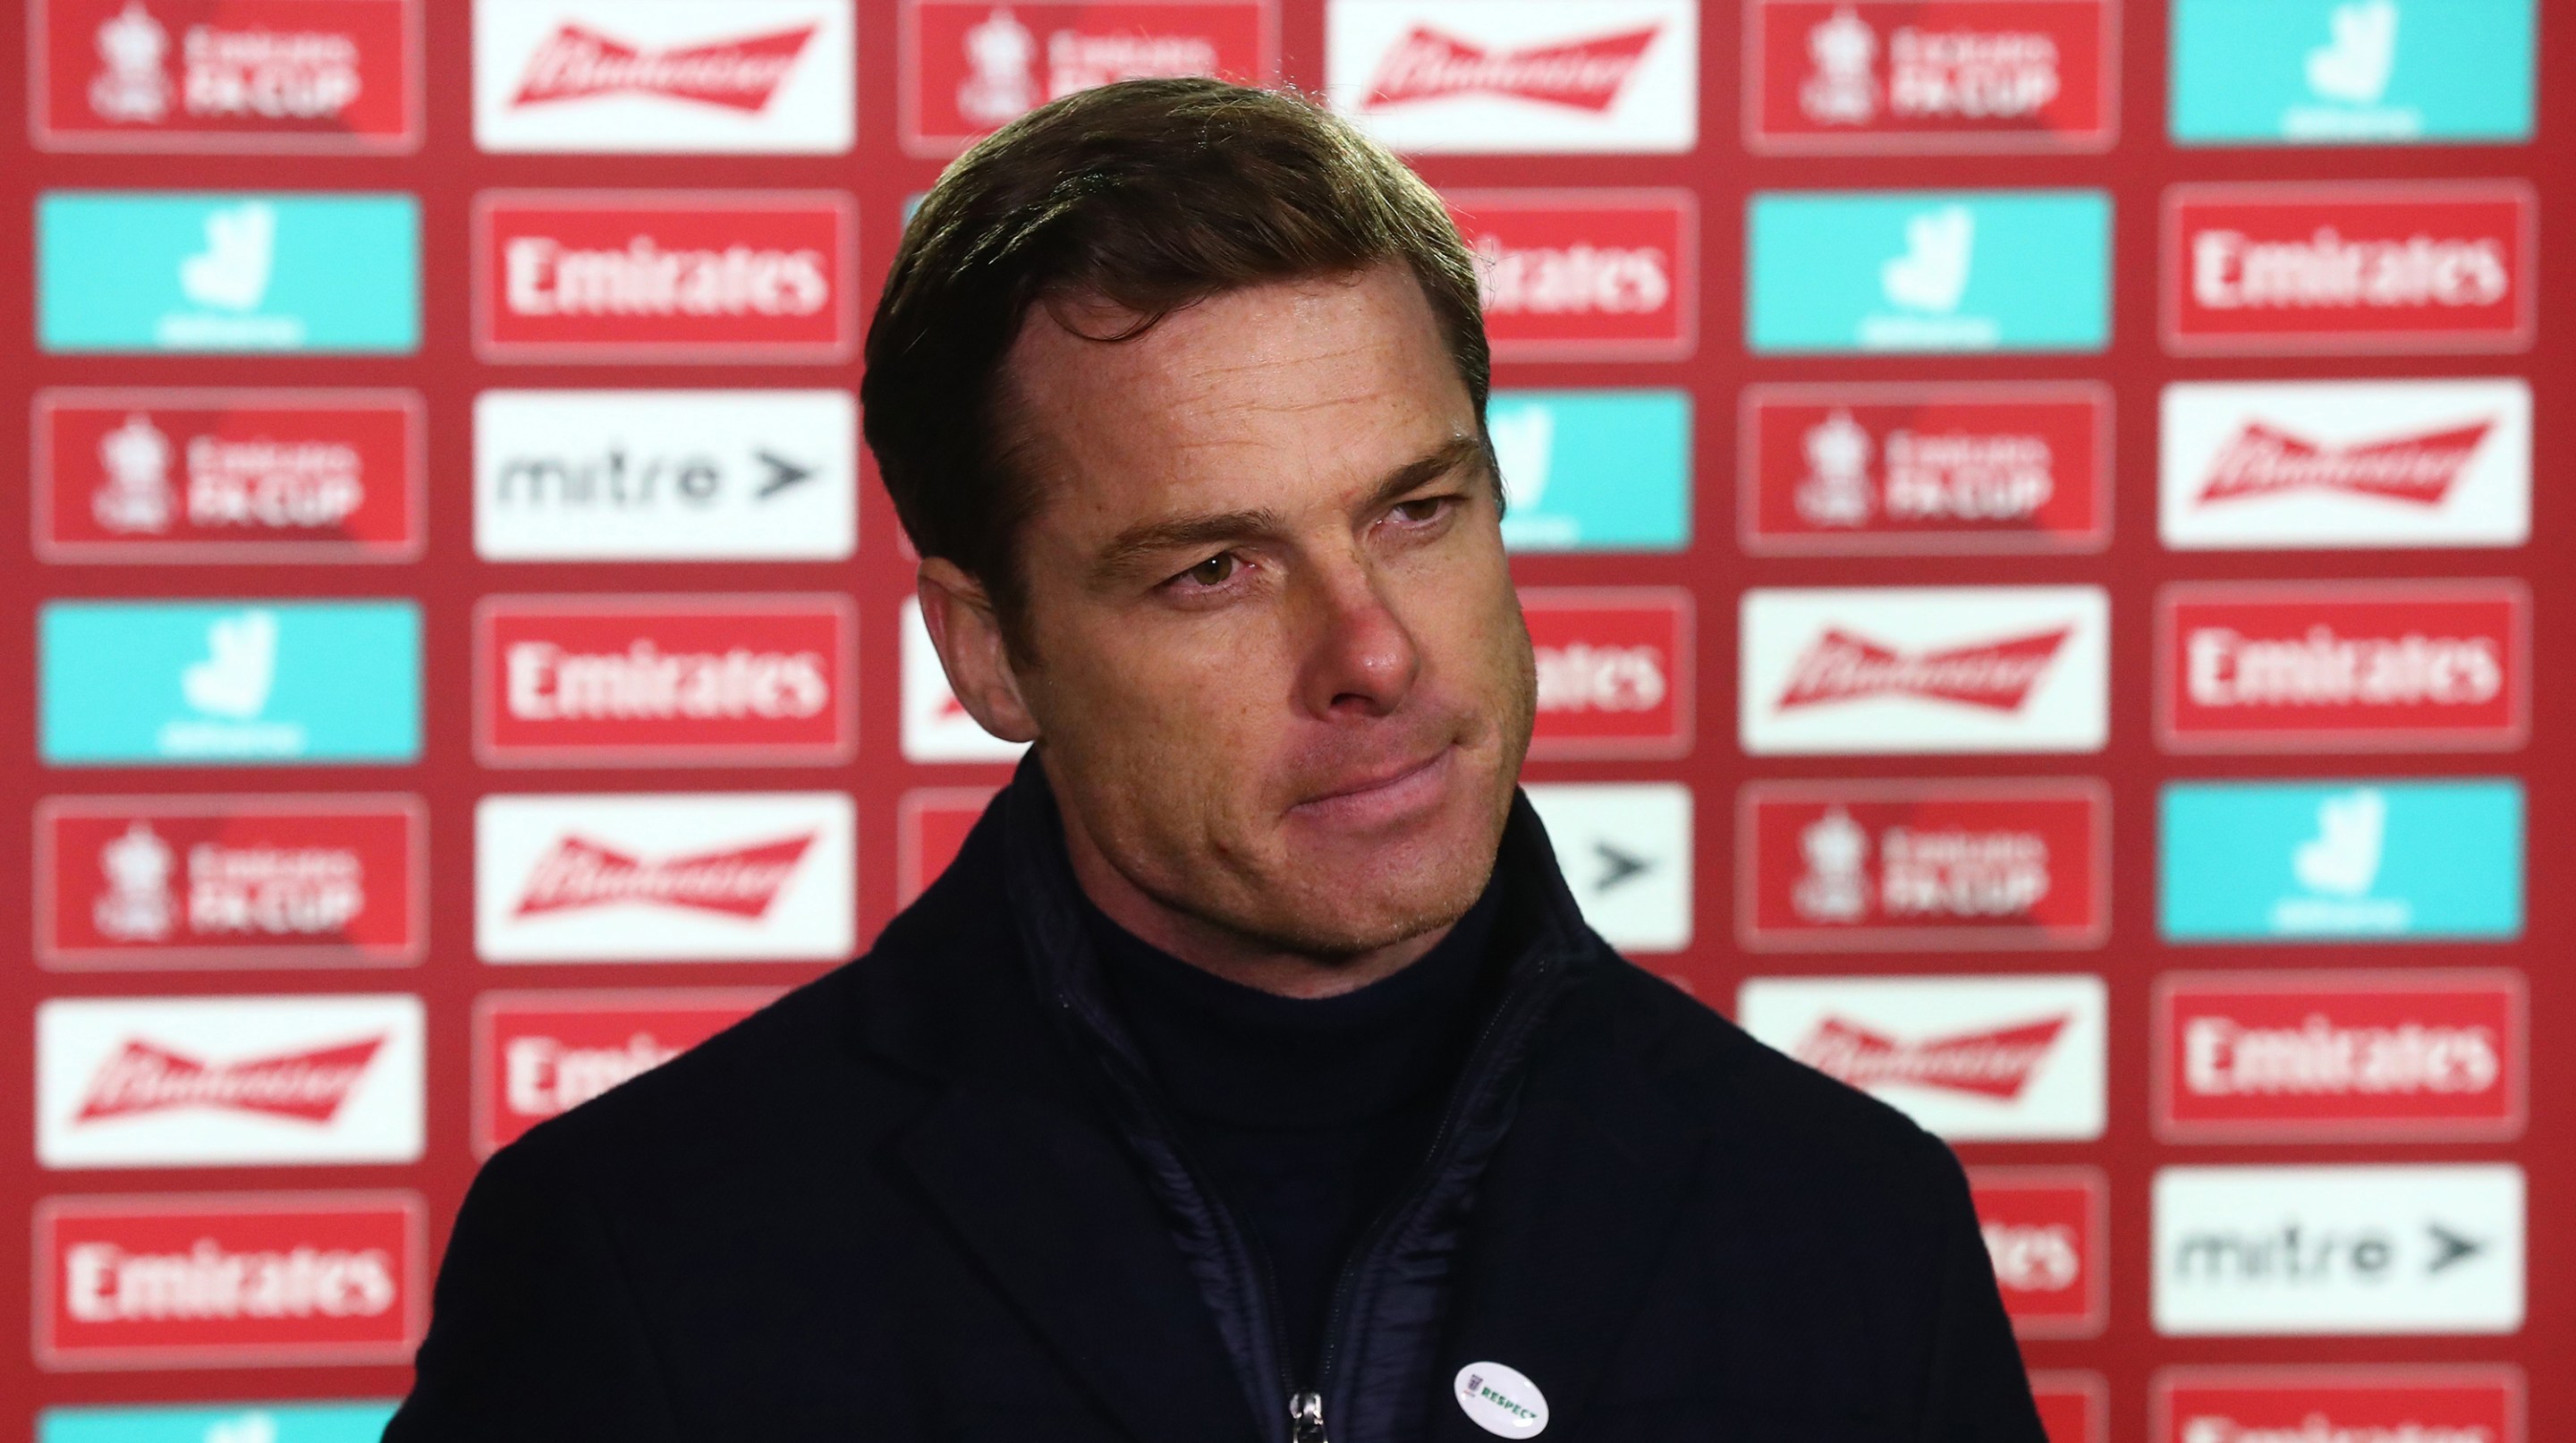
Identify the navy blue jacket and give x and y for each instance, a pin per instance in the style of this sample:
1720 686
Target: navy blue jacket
933 1197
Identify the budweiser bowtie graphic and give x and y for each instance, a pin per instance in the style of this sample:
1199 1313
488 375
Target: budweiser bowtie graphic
1615 671
304 77
1996 1064
748 876
2473 1403
2044 1230
310 1086
1922 864
1922 669
1924 468
735 882
229 1280
539 1054
1584 274
673 77
1996 675
1975 1057
163 1082
2346 463
1517 76
1882 75
704 680
223 881
693 276
1584 74
228 475
971 66
2352 268
2335 1056
577 62
2355 666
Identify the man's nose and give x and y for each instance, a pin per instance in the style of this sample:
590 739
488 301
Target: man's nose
1360 658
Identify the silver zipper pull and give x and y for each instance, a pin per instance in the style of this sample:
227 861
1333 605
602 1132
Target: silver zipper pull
1306 1418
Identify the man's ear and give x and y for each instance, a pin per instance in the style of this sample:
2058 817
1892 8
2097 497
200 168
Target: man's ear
968 636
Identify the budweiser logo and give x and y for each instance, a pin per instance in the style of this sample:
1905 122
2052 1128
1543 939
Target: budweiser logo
2233 271
576 62
104 1283
306 1086
548 683
1997 676
2224 1058
2224 668
1584 75
2264 461
739 882
1996 1064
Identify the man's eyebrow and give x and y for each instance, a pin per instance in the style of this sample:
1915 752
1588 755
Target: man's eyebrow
1153 538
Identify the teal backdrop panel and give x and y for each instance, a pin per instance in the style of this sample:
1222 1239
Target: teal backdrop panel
1605 470
2352 72
228 1423
228 682
1928 271
2341 861
227 272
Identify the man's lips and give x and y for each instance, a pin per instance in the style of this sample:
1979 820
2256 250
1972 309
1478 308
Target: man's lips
1383 795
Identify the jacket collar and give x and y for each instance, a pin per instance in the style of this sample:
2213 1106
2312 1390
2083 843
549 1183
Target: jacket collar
1573 1213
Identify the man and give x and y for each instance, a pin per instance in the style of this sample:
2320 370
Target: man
1250 1075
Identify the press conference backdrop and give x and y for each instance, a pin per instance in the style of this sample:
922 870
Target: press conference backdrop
2025 507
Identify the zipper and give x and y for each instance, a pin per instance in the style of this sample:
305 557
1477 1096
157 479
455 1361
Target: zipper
1306 1409
1306 1418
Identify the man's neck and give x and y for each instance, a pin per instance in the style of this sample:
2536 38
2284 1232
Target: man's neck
1224 952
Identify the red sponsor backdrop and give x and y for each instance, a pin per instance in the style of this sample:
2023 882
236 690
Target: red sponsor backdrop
792 305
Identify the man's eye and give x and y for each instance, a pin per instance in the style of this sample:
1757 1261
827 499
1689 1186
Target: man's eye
1212 572
1421 509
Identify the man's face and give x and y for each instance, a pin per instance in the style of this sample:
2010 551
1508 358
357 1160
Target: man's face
1272 651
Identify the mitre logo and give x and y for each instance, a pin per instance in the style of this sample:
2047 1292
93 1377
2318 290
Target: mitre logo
540 1054
2376 1404
679 76
2286 1056
2399 266
1530 75
1967 1057
1922 864
2347 463
743 74
971 66
1835 470
2044 1232
1583 274
228 1280
624 275
1869 75
739 881
157 1082
290 76
2259 667
607 680
184 476
1614 671
714 877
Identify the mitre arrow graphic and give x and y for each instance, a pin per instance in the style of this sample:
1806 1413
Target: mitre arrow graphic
783 473
2453 1247
1617 866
